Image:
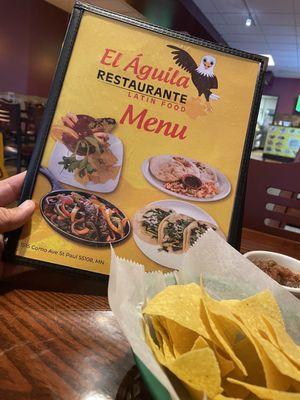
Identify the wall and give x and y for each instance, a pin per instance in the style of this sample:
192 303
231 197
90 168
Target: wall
288 90
31 35
172 14
32 31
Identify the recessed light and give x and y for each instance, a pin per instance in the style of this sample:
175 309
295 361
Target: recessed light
271 62
248 22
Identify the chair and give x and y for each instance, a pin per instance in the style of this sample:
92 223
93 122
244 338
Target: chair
10 126
34 118
31 126
272 203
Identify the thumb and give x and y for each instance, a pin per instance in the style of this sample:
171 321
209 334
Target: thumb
13 218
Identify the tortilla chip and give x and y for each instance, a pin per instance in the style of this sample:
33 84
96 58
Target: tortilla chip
280 361
163 339
284 341
249 309
245 349
266 394
274 378
222 397
216 333
159 355
231 326
200 343
182 339
250 313
181 304
199 371
232 390
295 386
247 353
243 344
225 365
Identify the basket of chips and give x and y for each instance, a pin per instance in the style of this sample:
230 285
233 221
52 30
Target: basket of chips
218 328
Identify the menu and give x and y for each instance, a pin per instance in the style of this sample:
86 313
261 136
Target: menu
282 143
145 145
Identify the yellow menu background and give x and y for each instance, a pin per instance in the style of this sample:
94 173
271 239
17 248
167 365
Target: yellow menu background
216 138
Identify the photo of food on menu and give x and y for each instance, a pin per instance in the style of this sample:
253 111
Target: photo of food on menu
143 152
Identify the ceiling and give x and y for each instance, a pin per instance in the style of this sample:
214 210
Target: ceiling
276 30
118 6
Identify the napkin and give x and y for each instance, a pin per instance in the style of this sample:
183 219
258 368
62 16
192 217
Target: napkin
226 274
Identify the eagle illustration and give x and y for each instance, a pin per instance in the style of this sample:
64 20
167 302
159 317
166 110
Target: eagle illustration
202 75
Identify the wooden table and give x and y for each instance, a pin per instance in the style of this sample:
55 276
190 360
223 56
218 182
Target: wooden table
253 240
58 338
60 341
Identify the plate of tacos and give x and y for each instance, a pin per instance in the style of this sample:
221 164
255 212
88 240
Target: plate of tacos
86 154
164 230
186 178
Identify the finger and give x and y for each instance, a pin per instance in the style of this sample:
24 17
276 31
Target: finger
10 189
13 218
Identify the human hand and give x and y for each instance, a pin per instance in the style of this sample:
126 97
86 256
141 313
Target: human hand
13 218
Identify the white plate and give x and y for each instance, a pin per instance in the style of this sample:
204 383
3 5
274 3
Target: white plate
171 260
60 150
224 184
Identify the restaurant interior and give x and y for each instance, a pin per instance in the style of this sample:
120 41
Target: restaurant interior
30 52
39 306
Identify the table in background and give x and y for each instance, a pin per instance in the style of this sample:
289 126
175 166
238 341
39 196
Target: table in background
60 341
254 240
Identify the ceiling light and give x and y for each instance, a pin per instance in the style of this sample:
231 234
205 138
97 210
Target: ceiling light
248 22
271 62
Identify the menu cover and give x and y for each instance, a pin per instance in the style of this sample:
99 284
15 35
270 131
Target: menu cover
144 146
282 143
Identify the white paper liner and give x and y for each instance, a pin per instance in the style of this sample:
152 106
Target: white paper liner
226 273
